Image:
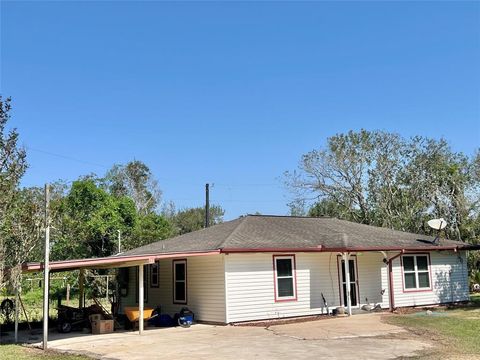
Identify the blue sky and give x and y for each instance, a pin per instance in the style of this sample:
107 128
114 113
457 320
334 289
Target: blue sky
231 93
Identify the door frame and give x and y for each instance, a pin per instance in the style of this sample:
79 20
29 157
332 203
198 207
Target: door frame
340 268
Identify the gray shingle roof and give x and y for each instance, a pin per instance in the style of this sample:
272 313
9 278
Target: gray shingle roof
285 232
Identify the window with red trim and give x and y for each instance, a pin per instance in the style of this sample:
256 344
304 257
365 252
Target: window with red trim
416 272
285 286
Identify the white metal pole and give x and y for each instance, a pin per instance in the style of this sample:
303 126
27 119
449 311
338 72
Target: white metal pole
68 294
106 295
119 241
46 268
346 258
140 299
17 309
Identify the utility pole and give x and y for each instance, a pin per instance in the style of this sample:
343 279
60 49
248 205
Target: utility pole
46 268
207 205
119 241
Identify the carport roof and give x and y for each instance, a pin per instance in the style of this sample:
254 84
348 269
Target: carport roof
117 261
255 233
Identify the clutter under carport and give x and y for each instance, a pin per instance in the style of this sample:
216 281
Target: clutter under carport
94 317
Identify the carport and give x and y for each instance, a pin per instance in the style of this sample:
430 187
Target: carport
111 262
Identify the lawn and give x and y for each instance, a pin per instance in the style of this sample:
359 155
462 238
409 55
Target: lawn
17 352
455 331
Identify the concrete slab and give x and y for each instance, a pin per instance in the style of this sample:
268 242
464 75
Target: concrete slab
365 325
308 340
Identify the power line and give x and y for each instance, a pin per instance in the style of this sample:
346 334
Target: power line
181 181
66 157
246 184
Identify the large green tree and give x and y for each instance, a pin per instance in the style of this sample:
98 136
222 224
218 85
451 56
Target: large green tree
382 179
12 167
87 221
193 219
150 228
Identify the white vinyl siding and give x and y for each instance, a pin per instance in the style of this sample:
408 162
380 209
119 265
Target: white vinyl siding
449 281
205 288
370 282
241 287
251 290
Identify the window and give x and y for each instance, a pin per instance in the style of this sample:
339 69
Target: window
285 281
154 272
179 281
416 273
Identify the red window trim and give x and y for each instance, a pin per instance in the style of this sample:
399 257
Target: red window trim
294 298
339 257
173 282
429 274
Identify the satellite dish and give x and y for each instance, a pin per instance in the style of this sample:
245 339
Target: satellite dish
437 224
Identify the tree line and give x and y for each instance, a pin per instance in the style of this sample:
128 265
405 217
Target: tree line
87 215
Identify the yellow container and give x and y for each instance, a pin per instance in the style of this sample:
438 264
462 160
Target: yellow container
133 313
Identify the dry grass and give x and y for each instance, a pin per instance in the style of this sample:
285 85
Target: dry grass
17 352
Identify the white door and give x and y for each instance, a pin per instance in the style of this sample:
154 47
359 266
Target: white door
352 266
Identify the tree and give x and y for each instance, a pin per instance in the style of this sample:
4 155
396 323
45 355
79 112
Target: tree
148 229
87 221
136 181
297 207
23 230
193 219
12 167
383 179
327 207
340 172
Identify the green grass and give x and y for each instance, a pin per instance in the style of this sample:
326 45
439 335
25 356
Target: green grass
456 331
475 299
17 352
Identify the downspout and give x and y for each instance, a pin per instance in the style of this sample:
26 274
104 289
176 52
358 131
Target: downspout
390 280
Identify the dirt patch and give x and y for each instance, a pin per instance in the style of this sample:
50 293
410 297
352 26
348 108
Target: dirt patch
367 325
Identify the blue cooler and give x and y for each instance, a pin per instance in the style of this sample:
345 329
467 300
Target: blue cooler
186 317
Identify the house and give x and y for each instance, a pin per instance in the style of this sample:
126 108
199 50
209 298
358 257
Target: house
264 267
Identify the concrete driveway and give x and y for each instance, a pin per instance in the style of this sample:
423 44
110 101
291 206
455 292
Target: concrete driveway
361 337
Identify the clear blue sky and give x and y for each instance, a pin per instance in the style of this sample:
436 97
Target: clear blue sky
231 93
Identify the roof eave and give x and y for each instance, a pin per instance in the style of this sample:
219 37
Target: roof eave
111 261
352 249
